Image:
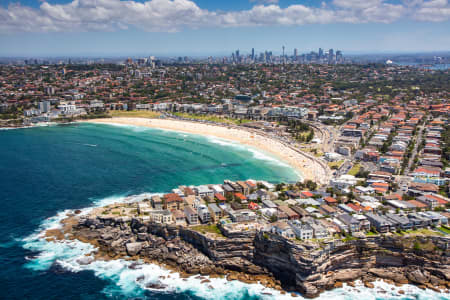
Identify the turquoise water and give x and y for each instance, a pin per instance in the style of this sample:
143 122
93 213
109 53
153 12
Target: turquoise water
46 172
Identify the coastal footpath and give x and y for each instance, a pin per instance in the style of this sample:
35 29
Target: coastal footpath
309 167
254 256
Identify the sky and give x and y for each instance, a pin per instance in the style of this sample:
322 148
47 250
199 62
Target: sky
210 27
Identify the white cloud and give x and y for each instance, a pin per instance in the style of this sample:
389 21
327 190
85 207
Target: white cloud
264 1
176 15
433 10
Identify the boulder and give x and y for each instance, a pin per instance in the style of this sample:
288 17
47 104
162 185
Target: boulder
347 274
418 277
85 260
134 248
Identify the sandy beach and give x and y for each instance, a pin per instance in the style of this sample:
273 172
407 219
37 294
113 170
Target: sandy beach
308 166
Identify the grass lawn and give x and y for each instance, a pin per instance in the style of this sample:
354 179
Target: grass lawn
213 118
354 170
335 164
424 231
207 228
445 229
135 114
370 233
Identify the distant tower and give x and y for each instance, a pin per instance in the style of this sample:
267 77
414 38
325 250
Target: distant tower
295 53
283 55
253 53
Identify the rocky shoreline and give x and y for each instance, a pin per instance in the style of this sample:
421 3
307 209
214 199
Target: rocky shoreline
271 260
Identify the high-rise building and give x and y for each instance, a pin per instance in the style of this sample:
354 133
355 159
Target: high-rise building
339 56
253 53
331 55
295 53
44 106
49 90
320 53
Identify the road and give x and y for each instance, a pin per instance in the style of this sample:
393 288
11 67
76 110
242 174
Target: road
416 145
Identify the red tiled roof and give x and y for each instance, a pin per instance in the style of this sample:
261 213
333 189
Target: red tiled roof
220 197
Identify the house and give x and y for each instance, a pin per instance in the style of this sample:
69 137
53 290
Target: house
157 203
204 191
418 221
352 223
269 204
178 217
400 222
191 201
327 210
423 187
143 208
253 206
268 186
306 194
292 215
300 211
330 200
429 200
377 221
161 216
262 195
417 204
217 189
240 197
344 182
364 223
242 215
434 217
215 212
426 172
349 209
244 187
203 213
302 231
283 229
220 197
191 215
173 201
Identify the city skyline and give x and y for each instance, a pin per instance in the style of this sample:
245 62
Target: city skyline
157 27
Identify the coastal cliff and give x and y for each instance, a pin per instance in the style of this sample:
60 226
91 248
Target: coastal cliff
309 268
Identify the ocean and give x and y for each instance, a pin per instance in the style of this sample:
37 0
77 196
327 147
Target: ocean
47 172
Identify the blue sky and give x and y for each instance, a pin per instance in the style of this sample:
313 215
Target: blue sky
207 27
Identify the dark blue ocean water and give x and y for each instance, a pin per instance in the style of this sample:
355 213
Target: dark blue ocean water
46 170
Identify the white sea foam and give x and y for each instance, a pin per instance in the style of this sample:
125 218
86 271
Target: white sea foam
256 153
76 256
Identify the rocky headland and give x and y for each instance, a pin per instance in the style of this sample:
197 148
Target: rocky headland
256 256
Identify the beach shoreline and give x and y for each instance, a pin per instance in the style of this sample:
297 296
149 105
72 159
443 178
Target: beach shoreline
308 167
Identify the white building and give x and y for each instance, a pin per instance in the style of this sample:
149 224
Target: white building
302 231
204 213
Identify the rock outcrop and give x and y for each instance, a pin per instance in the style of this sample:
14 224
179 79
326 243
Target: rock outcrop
271 259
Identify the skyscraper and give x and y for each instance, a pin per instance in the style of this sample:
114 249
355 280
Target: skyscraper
295 53
331 55
253 53
320 53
